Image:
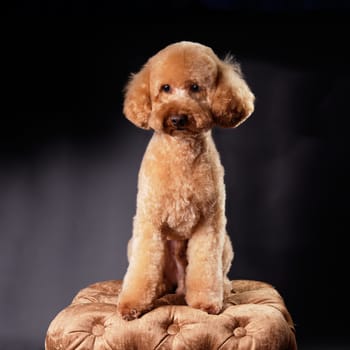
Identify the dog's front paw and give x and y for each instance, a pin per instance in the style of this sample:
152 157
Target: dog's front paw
127 312
205 302
210 308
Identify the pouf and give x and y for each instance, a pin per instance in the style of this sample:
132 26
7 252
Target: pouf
254 316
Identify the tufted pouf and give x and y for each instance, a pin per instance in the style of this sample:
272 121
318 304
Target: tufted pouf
254 316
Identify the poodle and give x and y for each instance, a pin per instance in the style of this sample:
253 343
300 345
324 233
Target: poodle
179 240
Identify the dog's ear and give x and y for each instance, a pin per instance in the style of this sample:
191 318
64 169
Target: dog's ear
232 101
137 100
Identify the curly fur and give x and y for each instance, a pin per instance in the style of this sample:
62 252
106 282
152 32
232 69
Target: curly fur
179 234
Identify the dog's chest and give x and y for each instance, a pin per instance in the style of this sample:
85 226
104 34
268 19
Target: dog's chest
180 191
185 197
188 195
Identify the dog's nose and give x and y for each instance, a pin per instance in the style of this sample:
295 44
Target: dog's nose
179 121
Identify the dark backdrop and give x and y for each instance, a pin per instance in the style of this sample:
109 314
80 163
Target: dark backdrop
69 159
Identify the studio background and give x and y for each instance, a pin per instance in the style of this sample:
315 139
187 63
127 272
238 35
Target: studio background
69 159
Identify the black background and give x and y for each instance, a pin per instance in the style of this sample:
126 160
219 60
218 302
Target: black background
69 159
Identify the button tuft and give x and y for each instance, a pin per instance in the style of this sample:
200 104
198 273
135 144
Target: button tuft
98 330
239 332
173 329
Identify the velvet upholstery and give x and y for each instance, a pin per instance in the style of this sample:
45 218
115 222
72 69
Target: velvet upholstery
254 316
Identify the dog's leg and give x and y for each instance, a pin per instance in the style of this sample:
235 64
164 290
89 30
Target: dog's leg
175 265
143 281
204 274
179 255
227 258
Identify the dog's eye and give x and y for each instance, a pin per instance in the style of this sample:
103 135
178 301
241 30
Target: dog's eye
165 88
194 87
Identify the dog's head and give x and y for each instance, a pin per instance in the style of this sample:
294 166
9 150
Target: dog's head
186 89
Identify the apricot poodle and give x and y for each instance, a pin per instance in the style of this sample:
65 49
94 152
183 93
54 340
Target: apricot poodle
179 234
